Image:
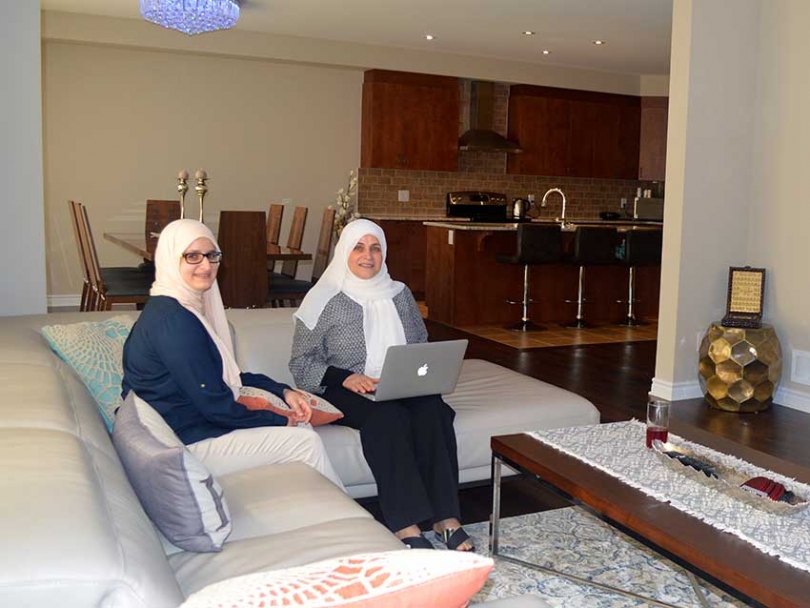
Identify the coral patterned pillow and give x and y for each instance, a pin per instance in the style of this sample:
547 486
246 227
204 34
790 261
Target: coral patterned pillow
254 398
415 578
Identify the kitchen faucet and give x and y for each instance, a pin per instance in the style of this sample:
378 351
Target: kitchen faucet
560 219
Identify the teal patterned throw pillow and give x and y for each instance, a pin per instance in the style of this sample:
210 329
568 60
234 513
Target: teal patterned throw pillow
95 351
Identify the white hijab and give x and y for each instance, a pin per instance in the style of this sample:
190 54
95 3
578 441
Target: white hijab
382 326
205 305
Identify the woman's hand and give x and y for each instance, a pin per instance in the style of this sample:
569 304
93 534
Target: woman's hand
299 401
360 383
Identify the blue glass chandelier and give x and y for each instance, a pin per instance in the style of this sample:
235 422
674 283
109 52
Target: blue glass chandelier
192 16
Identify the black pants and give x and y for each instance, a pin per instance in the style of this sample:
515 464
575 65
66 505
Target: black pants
410 446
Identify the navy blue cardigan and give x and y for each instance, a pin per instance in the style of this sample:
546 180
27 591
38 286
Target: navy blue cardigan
172 363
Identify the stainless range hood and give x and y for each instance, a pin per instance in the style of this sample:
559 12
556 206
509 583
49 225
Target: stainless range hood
481 135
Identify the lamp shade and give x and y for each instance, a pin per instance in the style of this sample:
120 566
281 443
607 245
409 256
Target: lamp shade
191 16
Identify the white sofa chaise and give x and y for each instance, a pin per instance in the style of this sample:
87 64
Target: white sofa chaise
75 535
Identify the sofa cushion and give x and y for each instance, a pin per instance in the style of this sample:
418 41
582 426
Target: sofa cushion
254 398
294 547
95 351
398 579
177 491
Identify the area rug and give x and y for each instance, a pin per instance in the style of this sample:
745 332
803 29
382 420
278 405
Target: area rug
576 542
557 335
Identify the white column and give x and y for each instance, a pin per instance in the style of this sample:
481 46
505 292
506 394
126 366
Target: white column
710 147
22 224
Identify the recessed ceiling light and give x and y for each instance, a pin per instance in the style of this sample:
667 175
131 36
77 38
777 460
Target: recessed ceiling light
529 33
546 52
598 42
429 37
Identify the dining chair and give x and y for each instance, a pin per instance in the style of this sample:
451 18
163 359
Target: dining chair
274 216
242 274
159 213
294 240
283 289
87 290
123 285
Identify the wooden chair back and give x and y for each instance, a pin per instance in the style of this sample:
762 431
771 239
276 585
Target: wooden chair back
158 215
91 256
274 217
242 274
324 244
87 290
296 237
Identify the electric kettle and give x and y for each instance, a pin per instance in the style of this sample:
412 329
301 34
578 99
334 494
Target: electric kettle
520 207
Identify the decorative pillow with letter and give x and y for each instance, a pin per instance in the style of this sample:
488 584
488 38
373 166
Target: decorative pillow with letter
253 398
416 578
95 351
176 490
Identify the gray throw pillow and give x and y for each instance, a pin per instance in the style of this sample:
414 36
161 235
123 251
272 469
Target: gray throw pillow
176 490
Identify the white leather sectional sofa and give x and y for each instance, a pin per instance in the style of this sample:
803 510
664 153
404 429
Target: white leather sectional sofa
74 534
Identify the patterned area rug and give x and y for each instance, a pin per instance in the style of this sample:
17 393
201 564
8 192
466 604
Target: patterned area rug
575 542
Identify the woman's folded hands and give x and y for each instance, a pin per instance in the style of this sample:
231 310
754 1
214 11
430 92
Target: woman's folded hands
299 401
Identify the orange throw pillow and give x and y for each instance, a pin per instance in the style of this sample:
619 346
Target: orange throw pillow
414 578
253 398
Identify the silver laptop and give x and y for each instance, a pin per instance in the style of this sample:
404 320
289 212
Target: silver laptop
413 370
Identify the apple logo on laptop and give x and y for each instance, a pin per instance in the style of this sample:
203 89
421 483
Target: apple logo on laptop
423 370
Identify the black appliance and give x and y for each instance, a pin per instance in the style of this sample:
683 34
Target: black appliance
477 206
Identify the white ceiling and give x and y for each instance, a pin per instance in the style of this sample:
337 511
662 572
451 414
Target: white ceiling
637 32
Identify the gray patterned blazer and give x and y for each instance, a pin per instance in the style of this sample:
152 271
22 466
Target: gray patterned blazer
338 339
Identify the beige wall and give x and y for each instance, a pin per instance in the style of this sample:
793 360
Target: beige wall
736 174
120 123
22 238
779 215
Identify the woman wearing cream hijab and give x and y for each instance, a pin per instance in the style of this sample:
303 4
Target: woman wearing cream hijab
343 328
179 359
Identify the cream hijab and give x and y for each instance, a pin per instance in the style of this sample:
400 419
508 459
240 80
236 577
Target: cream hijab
382 326
205 305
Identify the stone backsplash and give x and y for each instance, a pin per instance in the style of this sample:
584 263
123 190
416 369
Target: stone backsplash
377 191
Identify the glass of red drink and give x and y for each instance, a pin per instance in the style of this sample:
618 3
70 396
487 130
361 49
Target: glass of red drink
657 420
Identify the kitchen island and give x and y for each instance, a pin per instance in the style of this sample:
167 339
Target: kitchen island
466 286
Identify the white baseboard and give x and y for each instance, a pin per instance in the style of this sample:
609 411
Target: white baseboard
675 391
65 301
797 400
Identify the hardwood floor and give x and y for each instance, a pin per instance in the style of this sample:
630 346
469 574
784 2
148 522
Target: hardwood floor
616 378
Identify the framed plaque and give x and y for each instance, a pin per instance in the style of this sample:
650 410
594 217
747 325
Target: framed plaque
746 289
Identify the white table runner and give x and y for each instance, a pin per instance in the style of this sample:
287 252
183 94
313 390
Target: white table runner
619 450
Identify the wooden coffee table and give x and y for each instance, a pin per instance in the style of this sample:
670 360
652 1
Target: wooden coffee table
718 557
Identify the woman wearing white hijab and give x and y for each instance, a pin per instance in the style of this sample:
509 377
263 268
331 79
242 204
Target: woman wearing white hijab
179 359
344 326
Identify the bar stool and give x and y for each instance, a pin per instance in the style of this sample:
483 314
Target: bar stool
593 246
641 248
536 244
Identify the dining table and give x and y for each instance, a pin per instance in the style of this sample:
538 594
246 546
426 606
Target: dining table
137 244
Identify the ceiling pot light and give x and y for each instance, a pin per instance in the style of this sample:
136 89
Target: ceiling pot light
429 37
528 33
546 52
599 42
192 16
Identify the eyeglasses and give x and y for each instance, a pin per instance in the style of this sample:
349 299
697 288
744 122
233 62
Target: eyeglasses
196 257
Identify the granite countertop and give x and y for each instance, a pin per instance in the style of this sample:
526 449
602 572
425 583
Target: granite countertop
621 225
462 223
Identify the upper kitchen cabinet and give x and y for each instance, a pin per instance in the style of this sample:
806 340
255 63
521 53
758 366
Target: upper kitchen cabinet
574 133
652 161
409 121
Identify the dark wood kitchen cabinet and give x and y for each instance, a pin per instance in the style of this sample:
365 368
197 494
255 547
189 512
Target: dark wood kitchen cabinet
409 121
652 161
407 253
574 133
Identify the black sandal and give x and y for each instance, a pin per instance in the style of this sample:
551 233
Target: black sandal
453 538
417 542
